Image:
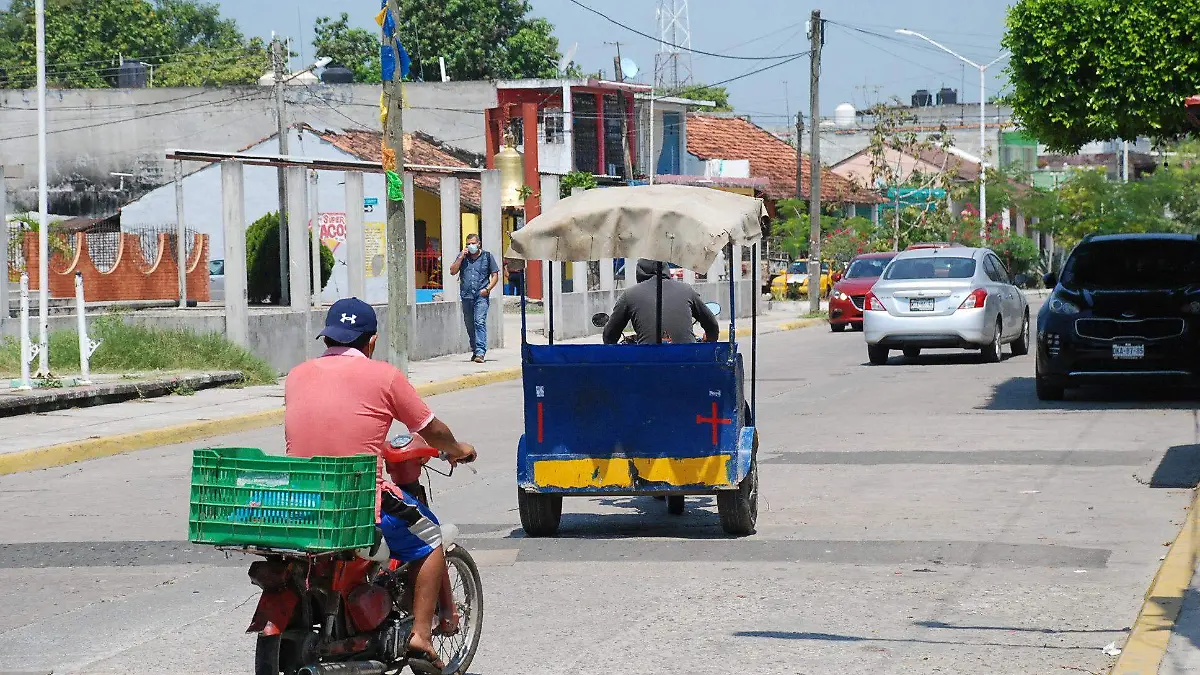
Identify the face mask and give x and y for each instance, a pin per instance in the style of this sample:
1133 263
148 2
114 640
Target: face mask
472 248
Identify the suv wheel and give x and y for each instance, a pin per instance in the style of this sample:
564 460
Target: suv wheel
992 350
877 354
1021 346
1045 390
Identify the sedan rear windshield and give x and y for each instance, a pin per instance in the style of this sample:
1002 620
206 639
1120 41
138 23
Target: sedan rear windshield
1134 264
867 268
940 267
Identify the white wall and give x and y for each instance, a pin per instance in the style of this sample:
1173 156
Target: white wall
202 205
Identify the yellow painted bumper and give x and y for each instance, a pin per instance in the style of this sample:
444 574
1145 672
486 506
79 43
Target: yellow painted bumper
620 472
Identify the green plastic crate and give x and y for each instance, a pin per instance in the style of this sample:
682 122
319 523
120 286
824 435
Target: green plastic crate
244 497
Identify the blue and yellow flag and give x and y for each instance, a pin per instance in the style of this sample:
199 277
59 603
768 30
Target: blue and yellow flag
386 54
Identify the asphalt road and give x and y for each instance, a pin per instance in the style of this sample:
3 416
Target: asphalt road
927 517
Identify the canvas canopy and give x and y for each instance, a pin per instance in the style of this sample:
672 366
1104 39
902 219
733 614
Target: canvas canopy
679 224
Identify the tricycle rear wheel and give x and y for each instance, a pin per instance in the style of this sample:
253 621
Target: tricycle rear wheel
738 508
540 513
675 505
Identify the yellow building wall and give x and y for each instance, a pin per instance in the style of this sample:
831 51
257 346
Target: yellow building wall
427 206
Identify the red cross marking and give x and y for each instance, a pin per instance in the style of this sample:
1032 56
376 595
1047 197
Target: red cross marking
714 421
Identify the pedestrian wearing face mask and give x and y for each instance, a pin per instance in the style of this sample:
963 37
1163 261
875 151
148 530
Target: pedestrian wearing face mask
479 275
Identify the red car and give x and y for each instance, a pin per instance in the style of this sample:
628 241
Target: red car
846 299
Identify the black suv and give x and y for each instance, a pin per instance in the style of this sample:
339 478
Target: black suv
1126 308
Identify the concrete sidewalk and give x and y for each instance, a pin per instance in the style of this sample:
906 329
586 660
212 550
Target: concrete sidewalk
23 433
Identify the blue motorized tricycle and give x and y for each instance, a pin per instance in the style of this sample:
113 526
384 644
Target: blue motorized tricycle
663 420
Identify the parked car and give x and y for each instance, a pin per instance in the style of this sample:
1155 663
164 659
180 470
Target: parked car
848 294
216 280
1127 307
934 244
794 281
946 298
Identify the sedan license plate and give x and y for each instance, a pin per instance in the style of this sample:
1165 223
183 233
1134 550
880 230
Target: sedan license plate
1129 352
920 304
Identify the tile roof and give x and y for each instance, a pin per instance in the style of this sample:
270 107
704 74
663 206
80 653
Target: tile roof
967 170
712 137
418 149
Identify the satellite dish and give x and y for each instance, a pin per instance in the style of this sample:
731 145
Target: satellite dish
565 61
628 68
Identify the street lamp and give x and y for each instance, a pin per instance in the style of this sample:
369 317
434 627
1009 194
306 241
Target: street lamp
982 120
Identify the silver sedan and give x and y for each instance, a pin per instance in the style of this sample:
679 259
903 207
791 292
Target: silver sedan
946 298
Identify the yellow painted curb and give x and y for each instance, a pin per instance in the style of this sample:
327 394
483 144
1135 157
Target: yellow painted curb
1147 643
97 448
789 325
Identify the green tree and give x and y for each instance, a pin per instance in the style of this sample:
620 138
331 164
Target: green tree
480 39
201 67
353 48
262 260
703 92
1087 70
86 40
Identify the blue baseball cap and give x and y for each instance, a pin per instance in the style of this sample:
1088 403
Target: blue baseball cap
349 319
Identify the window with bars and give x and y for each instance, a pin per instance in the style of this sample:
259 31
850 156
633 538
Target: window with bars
551 121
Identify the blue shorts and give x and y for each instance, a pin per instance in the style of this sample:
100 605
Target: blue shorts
410 529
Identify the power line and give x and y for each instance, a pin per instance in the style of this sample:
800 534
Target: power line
680 47
761 37
135 119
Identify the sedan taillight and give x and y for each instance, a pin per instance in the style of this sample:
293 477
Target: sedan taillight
975 300
872 304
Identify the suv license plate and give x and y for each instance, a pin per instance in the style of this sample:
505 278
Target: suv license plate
1129 352
920 304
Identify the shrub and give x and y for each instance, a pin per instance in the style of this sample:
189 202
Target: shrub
262 260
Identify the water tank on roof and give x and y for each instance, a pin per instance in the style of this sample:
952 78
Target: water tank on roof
922 98
336 74
844 116
133 75
947 96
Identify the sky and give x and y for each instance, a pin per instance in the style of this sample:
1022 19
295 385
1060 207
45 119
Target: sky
864 60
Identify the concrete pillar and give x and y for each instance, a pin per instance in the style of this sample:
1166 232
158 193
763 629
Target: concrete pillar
356 247
410 228
297 235
579 270
608 280
550 186
689 277
718 267
450 194
737 263
3 249
233 212
491 226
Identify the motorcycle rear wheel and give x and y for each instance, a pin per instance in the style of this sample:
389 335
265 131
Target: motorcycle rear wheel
458 650
271 656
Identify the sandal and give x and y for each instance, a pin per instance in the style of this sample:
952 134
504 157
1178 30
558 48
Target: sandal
421 661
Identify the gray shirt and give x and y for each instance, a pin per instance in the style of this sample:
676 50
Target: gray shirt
680 305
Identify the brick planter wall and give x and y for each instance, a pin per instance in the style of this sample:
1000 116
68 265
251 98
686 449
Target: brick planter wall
131 278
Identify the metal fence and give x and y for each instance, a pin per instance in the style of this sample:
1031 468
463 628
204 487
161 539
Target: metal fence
103 245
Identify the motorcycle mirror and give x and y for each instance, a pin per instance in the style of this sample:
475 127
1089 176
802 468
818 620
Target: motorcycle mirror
599 320
714 307
401 441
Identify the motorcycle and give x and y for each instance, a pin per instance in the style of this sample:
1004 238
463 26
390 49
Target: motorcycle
349 612
600 320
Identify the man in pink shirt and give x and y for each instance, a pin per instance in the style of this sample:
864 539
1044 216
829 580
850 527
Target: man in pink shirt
343 403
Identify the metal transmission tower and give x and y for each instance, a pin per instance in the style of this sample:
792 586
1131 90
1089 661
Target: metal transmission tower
673 63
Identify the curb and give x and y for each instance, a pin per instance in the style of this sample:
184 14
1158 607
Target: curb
1147 643
97 448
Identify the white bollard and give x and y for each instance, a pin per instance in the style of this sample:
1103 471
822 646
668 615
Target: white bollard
87 346
28 351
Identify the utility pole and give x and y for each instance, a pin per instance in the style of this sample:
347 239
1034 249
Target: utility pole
280 117
620 73
816 33
397 232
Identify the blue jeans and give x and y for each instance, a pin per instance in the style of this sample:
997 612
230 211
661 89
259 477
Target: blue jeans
475 312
